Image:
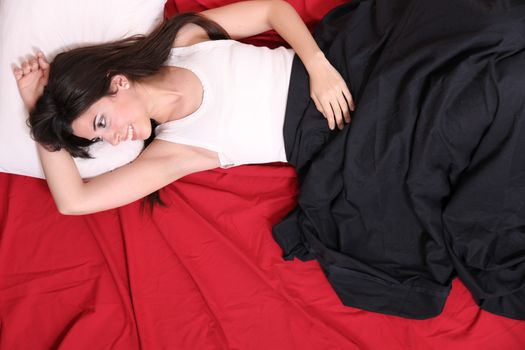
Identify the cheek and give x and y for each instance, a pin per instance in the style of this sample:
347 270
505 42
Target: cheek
130 111
121 115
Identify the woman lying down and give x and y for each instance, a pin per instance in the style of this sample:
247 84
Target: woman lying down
426 184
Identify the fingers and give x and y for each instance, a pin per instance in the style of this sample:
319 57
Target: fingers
320 108
338 113
344 107
44 65
317 104
328 113
18 73
332 98
42 61
348 97
32 64
26 68
335 110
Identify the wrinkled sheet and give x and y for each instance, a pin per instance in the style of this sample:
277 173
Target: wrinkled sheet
203 273
426 183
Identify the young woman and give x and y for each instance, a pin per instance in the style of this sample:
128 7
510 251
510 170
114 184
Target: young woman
425 185
110 92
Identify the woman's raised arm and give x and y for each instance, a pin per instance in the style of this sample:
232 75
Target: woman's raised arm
158 165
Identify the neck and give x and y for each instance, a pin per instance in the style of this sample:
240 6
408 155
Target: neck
160 96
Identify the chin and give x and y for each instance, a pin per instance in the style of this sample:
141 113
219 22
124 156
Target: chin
149 131
146 136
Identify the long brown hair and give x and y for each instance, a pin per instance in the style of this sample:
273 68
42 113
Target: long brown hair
80 77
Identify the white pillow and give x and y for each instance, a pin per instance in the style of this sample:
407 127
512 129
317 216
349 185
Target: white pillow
52 26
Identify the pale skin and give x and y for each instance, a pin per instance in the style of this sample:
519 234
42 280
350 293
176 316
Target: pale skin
172 94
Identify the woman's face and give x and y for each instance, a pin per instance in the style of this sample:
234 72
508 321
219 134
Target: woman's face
115 118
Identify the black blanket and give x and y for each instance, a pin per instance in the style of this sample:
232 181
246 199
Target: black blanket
428 181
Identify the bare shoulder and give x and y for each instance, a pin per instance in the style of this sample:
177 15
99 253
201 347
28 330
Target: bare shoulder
190 34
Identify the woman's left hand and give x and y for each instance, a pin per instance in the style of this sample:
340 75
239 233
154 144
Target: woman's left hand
31 78
329 92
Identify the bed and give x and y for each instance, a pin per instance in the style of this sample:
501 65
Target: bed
202 273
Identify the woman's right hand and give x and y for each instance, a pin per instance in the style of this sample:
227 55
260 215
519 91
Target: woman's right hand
31 78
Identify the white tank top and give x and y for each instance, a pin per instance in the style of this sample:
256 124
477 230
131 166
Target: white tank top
242 111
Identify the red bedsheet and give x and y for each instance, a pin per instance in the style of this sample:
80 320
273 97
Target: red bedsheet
203 273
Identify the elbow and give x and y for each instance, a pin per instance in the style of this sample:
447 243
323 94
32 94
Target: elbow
71 203
66 210
70 209
63 207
